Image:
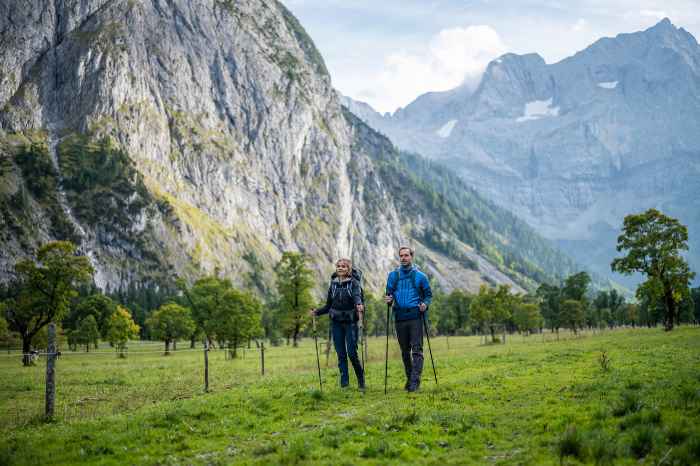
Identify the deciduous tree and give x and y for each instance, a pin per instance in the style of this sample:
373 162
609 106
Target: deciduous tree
238 319
491 307
43 288
294 285
121 329
653 243
87 332
169 323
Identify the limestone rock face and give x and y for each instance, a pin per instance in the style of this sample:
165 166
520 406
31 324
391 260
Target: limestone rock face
574 146
188 137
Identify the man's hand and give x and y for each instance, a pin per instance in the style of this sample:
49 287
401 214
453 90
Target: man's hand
312 312
360 308
360 315
388 299
422 307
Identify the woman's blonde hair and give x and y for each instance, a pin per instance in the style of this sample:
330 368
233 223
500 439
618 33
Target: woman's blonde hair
347 261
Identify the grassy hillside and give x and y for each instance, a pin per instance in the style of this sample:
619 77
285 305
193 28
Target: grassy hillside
530 401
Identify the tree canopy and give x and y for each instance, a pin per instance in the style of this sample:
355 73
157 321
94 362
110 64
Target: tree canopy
294 284
43 288
169 323
653 243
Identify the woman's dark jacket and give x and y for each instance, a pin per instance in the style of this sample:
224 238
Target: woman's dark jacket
341 300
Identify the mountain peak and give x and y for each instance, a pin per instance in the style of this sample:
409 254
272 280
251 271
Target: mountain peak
664 24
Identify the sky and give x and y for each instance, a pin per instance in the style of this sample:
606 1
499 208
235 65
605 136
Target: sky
388 52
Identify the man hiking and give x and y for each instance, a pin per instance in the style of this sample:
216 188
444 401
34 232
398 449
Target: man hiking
408 289
344 306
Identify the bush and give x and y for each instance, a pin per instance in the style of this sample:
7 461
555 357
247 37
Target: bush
601 448
644 418
629 403
676 433
570 443
643 440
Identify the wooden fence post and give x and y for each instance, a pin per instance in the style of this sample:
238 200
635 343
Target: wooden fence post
206 365
262 356
51 372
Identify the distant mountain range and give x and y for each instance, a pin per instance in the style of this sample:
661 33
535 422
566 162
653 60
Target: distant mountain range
181 138
572 147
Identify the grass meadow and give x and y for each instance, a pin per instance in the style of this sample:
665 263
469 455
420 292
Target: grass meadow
533 400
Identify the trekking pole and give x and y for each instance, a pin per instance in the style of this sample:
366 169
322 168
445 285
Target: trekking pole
361 337
386 354
427 334
318 361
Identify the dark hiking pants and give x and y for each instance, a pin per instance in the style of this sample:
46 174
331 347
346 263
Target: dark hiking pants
410 335
345 341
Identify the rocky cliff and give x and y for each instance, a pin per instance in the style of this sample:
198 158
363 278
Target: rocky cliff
173 138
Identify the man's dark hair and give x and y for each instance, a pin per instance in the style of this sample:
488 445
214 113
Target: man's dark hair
410 250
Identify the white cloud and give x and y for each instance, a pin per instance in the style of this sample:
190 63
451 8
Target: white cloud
452 57
580 25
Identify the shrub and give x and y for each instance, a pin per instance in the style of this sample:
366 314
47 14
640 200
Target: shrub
644 417
676 433
629 403
601 448
570 443
643 440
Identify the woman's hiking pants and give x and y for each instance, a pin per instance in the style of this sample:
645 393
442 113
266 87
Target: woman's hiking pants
345 341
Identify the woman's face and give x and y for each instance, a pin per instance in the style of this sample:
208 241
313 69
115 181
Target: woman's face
342 269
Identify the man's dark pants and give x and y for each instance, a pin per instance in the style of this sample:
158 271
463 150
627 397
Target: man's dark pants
410 335
345 341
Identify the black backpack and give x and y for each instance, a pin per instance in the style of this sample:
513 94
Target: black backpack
356 276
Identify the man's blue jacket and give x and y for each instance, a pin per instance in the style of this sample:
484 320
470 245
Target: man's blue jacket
409 287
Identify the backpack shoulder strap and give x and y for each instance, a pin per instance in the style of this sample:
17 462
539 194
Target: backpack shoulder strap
414 279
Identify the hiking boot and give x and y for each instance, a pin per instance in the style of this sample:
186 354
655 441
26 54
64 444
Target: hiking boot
413 386
407 385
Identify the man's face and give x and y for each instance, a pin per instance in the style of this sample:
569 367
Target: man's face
405 257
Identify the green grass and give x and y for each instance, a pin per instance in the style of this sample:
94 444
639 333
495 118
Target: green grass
526 402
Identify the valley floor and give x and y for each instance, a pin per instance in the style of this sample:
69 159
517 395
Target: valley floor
533 400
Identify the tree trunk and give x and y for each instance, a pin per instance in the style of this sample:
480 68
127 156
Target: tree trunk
167 347
26 350
670 308
192 341
174 344
296 335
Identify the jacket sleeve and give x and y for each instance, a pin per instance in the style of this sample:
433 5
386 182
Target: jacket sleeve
329 301
425 286
390 284
356 296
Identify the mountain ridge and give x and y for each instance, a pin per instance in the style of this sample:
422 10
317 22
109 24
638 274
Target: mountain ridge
573 146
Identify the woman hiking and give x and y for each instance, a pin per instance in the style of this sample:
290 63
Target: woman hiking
344 306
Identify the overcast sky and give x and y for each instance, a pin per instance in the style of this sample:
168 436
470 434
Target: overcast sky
388 52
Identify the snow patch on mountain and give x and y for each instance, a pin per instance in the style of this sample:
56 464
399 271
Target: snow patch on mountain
608 85
446 129
538 109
